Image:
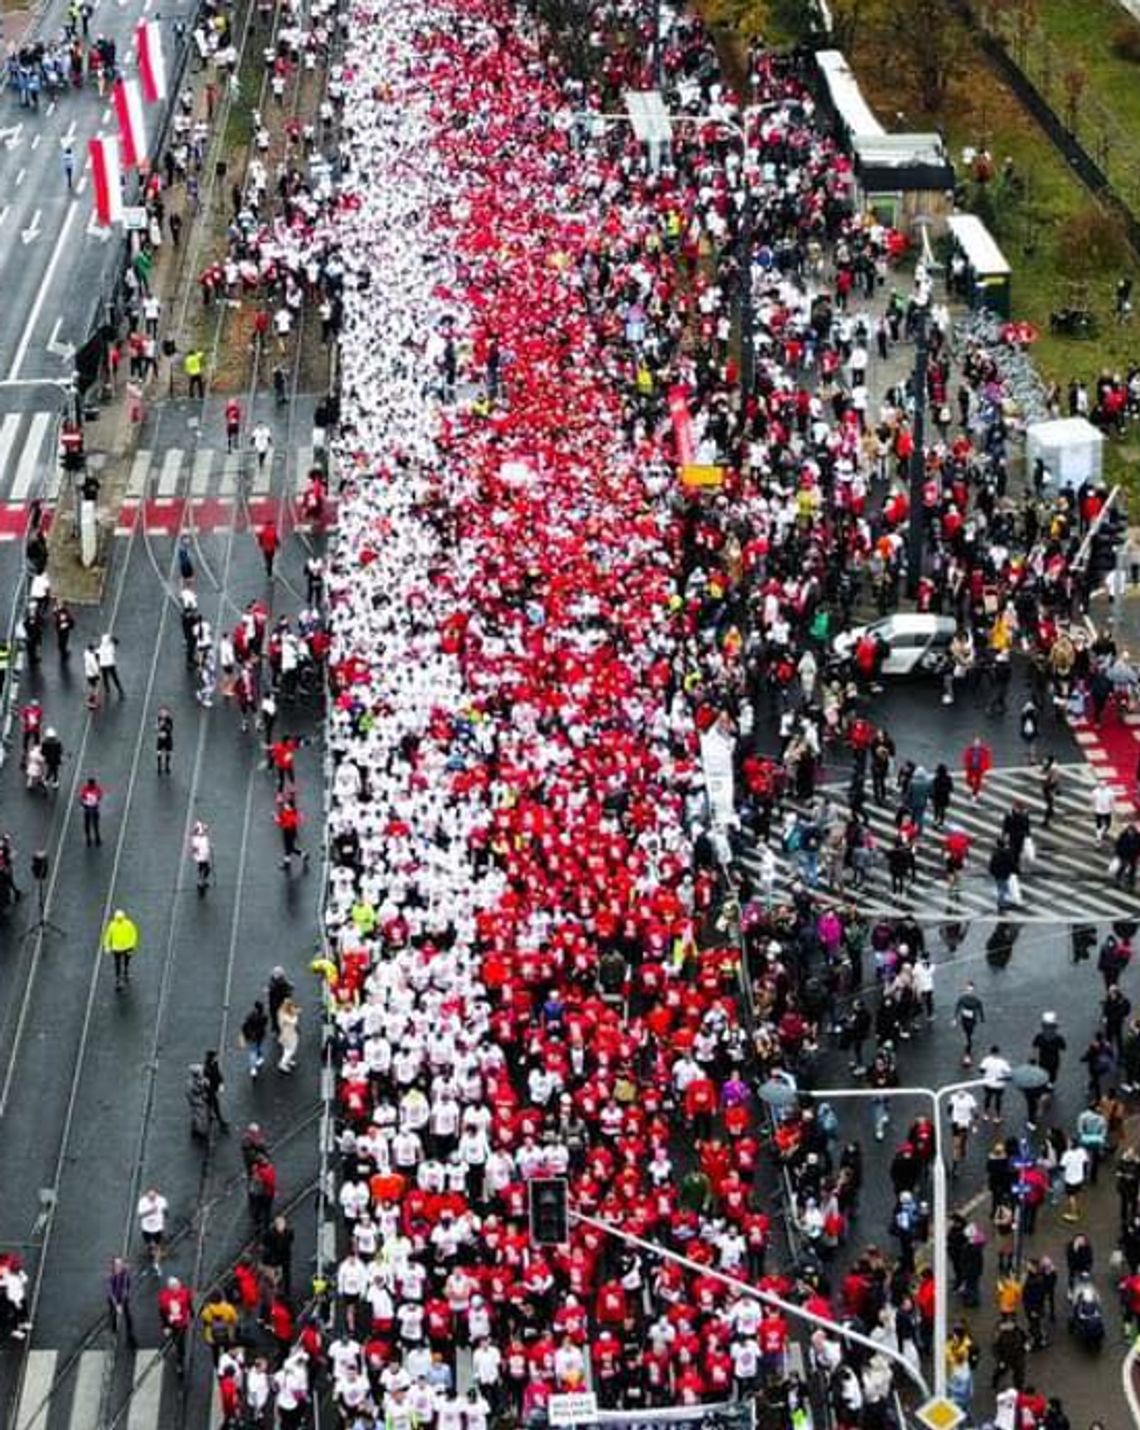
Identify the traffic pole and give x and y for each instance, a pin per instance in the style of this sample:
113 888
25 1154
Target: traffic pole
767 1298
918 455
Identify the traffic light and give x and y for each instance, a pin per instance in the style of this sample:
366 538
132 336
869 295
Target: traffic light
549 1211
1083 938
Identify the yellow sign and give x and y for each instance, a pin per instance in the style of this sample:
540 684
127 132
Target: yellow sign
940 1414
693 476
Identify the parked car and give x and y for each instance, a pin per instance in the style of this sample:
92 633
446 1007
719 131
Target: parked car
917 643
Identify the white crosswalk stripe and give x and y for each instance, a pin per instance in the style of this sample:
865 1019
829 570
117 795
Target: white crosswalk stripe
200 474
1068 881
88 1395
146 1395
262 476
33 460
170 473
136 486
140 1390
304 463
231 468
36 1391
9 431
200 477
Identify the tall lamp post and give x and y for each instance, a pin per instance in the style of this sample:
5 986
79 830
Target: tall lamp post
780 1095
767 1298
914 551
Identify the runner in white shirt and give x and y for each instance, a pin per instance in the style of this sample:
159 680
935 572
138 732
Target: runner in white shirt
152 1209
449 1412
995 1071
477 1411
1074 1170
962 1108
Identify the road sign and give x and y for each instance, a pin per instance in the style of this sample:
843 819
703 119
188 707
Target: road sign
940 1414
134 218
578 1408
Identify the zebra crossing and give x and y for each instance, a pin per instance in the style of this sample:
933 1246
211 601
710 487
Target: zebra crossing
159 482
1068 881
29 462
205 472
135 1390
138 1390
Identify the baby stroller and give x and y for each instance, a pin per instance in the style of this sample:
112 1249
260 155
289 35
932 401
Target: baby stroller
1086 1315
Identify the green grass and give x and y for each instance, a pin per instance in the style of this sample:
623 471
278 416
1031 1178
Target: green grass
239 122
1083 33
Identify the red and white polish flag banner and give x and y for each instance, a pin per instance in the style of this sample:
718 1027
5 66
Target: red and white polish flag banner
132 126
152 64
107 175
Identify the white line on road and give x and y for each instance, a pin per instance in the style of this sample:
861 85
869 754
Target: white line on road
50 110
200 477
20 177
146 1393
171 469
41 296
30 458
107 114
4 212
33 230
88 1388
36 141
39 1373
68 135
8 429
262 478
136 487
82 184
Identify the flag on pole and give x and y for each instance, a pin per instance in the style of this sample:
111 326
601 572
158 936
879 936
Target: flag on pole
132 128
107 174
152 65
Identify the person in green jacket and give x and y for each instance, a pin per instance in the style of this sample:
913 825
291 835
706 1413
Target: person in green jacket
121 941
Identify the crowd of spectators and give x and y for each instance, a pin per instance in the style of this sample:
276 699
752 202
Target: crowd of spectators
536 965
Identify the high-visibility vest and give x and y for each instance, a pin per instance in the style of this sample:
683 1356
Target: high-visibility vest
122 936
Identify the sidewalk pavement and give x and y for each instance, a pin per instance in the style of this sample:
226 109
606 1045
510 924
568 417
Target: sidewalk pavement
1063 1368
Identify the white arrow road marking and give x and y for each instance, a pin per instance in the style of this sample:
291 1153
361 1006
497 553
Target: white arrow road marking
66 351
41 297
33 230
11 135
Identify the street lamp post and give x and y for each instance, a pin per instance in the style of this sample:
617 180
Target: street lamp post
918 455
768 1298
778 1094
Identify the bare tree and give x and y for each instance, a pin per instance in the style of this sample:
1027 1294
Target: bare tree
928 38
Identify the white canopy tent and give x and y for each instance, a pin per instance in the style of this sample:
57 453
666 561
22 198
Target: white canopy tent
1071 448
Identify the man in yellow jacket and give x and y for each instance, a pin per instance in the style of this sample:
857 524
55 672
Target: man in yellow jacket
121 940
